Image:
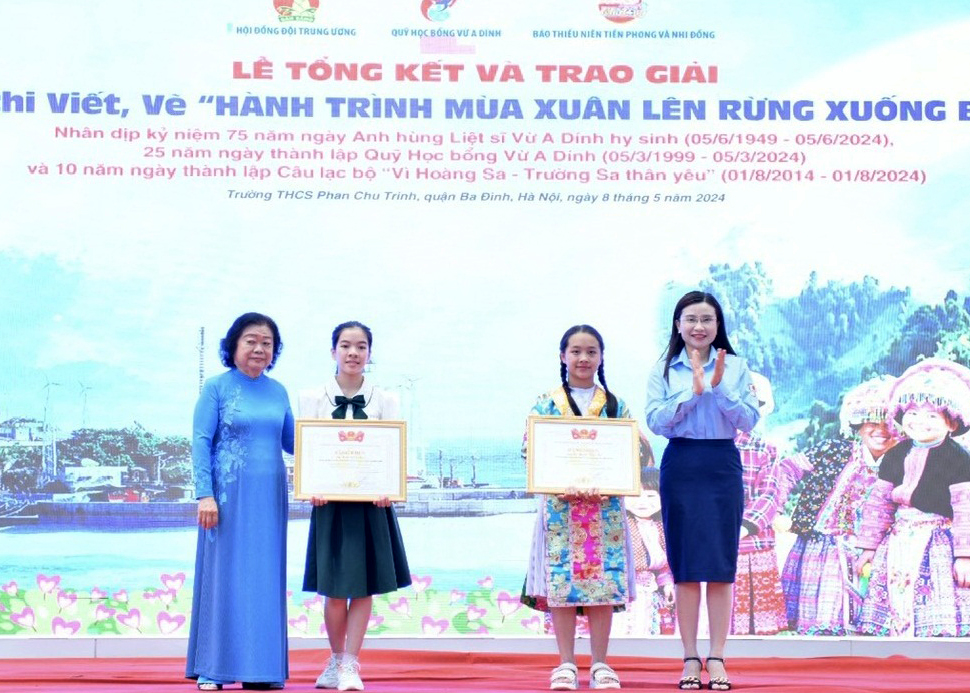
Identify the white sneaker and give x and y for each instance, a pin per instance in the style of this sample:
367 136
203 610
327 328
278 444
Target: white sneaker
329 679
348 675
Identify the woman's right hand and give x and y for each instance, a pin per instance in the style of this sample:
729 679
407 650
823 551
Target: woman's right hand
208 512
698 368
317 500
864 559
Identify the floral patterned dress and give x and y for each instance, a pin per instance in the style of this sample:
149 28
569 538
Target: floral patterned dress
581 550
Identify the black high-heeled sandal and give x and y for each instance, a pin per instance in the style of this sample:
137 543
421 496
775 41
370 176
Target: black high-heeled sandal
718 683
691 682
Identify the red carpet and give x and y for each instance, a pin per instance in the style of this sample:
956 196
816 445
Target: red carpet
386 671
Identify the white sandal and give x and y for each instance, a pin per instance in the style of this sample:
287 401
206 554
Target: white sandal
601 675
564 677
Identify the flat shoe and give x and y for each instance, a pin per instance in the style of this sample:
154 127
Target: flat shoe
601 675
564 677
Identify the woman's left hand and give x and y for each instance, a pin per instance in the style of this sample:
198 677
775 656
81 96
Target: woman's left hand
382 502
961 572
718 367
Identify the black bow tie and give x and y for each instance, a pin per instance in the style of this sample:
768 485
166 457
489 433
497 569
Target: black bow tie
357 402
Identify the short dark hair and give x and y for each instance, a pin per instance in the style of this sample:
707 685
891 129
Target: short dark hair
227 347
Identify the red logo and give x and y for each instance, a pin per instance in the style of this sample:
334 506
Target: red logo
622 12
351 436
297 10
584 434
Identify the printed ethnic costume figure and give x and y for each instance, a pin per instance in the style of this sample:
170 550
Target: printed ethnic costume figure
759 605
581 551
820 594
916 522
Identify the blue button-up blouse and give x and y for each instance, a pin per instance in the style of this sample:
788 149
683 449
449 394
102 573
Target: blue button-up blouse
674 411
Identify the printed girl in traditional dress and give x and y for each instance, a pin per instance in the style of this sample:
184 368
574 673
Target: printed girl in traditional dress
820 595
355 549
916 523
759 604
581 555
652 612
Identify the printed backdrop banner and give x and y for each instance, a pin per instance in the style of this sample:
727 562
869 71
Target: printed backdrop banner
470 179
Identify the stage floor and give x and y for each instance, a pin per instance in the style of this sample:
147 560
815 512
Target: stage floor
411 671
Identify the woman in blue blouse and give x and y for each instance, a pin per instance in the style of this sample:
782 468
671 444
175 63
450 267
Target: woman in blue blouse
698 397
242 425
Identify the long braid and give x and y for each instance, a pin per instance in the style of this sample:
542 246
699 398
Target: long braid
565 386
612 406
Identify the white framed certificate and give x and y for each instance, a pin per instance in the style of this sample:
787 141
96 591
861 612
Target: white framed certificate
584 453
350 459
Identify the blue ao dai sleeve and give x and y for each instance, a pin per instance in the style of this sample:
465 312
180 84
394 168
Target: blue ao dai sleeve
666 409
288 426
735 396
205 423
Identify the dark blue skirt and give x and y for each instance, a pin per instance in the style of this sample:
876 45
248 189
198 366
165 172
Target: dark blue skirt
702 502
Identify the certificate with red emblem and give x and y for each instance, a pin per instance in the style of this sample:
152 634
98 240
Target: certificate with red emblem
583 454
350 459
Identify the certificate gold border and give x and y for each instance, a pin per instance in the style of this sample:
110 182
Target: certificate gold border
399 494
634 487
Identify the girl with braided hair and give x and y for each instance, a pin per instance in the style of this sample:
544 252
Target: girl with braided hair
582 558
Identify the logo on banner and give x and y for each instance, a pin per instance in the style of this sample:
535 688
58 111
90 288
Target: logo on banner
436 10
622 12
297 10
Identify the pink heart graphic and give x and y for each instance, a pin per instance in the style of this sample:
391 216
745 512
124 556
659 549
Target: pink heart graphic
482 630
101 612
486 582
315 604
431 627
507 604
132 619
401 606
150 596
121 596
374 622
173 582
11 588
48 584
66 599
420 584
168 624
300 623
166 597
97 594
60 627
534 623
474 613
24 619
456 596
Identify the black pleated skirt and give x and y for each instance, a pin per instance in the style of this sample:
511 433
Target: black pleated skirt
354 550
702 502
